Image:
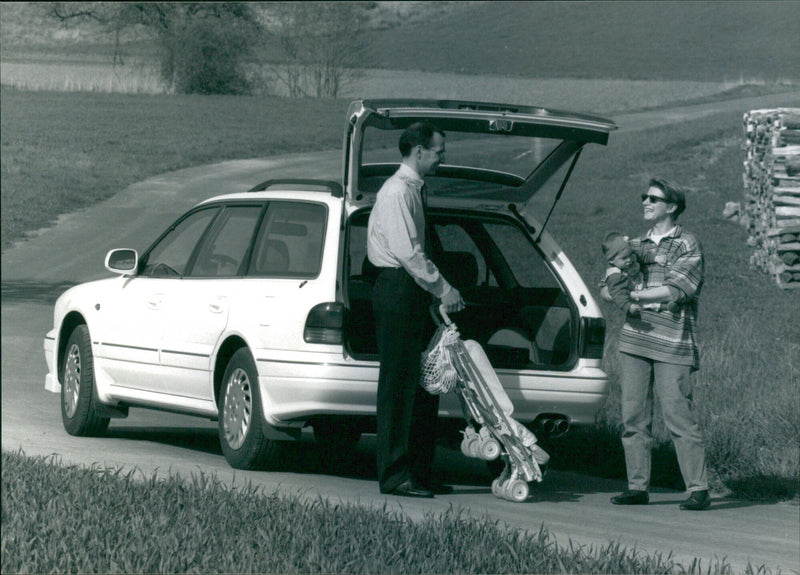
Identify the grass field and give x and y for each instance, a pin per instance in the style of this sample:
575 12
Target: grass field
75 520
700 41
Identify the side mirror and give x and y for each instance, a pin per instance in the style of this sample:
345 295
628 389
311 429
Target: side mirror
122 261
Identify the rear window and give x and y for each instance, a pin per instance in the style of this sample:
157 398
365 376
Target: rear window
518 155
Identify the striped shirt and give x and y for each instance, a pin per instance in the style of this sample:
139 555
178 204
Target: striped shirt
663 335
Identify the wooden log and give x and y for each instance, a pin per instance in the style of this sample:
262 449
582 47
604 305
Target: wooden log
786 200
787 211
784 151
790 258
783 230
788 137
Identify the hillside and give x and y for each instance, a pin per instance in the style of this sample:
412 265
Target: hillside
702 41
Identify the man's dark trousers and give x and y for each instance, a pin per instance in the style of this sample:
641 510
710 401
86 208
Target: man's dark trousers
406 412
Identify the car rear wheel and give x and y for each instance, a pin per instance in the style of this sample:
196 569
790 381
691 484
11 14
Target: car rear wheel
241 424
78 402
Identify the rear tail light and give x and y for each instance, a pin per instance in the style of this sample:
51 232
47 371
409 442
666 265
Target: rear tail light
593 337
324 324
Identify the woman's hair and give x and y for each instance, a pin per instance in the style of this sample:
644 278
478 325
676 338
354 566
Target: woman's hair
672 192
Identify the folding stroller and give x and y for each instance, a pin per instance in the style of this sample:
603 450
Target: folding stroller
450 363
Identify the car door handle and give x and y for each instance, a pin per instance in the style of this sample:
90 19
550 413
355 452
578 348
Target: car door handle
154 301
218 305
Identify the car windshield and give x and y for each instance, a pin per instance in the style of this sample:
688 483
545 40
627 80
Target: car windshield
517 155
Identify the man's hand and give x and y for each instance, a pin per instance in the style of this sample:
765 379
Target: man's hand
452 301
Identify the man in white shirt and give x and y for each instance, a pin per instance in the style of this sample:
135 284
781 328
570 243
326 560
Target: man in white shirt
408 278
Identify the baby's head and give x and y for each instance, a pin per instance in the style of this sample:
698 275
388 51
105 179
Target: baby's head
617 250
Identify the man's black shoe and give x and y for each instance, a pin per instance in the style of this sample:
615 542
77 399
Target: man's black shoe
436 488
409 488
631 497
698 501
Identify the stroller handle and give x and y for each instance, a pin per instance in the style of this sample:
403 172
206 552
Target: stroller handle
442 312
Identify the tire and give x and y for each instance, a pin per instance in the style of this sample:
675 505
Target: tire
241 423
78 400
518 490
490 449
497 487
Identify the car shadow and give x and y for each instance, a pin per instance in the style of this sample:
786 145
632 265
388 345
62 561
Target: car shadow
451 467
201 439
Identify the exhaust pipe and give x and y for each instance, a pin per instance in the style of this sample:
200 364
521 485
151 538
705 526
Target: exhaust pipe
552 425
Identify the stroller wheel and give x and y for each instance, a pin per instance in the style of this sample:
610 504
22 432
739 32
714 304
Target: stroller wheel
497 488
471 446
490 449
517 490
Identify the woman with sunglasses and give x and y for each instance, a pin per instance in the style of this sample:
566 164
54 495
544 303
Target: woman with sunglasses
658 350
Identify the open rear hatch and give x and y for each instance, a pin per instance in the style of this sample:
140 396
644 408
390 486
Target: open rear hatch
495 152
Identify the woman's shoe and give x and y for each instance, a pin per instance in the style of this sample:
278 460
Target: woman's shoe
631 497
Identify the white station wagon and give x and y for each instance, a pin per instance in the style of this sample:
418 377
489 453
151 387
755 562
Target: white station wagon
254 309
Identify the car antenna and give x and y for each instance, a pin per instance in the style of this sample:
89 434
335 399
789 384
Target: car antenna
558 195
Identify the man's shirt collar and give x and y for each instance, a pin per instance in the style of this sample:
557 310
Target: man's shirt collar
411 175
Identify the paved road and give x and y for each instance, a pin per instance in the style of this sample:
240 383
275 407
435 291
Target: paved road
571 506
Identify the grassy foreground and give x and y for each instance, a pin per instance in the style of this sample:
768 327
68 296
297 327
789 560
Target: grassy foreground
77 520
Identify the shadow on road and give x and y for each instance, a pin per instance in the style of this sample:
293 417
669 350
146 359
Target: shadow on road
470 476
27 291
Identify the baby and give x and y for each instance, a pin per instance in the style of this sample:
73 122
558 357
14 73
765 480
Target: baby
623 275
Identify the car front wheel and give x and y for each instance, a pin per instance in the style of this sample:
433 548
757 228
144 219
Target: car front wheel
78 402
241 425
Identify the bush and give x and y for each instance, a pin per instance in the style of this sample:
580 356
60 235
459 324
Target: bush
204 57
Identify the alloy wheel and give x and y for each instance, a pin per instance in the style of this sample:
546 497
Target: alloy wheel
238 409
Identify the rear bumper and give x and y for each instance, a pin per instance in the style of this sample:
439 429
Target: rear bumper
297 386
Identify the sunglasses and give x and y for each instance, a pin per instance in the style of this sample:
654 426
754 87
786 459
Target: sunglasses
653 199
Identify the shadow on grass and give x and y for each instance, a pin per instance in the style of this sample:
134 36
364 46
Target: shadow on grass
598 452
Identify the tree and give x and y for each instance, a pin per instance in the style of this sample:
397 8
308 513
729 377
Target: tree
201 45
323 44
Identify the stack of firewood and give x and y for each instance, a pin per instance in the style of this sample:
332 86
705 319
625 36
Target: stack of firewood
771 207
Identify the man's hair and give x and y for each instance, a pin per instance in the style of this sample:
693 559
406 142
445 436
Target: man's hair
672 192
417 134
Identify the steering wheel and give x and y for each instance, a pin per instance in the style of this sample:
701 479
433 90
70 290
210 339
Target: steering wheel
223 260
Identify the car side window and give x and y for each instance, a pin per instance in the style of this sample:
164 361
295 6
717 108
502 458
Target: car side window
528 267
170 256
460 261
225 248
291 241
